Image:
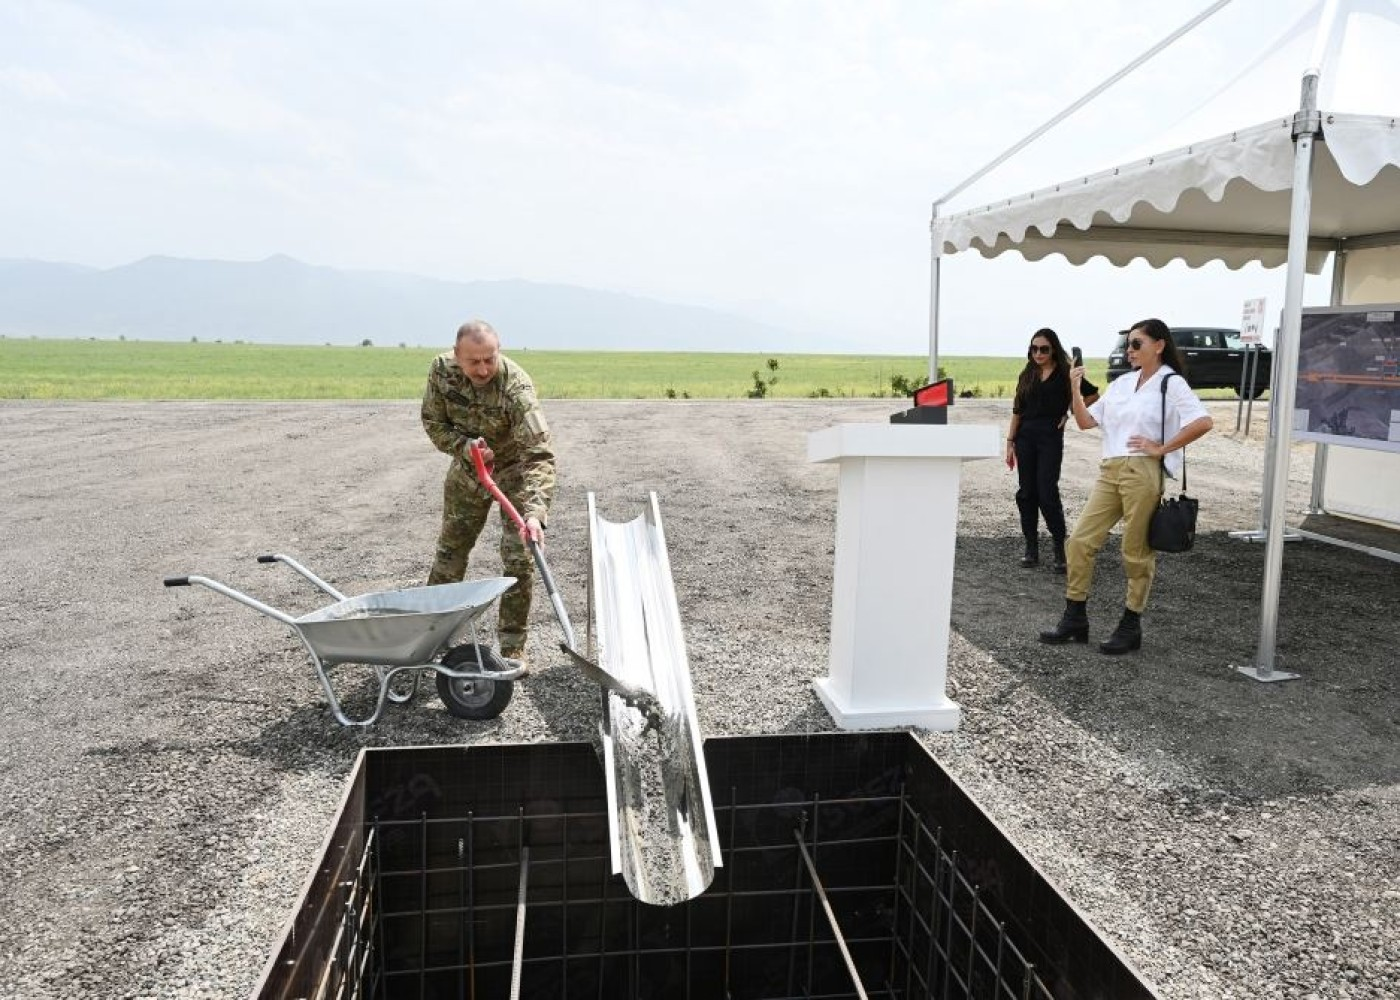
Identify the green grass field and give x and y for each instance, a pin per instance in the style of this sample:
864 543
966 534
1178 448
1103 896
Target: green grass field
150 370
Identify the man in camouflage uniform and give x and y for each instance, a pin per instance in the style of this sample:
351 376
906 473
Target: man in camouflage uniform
474 392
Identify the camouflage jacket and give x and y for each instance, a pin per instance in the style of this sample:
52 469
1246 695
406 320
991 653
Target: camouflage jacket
507 414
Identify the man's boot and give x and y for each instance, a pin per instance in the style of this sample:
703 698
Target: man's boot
1126 637
1059 564
1073 626
1032 556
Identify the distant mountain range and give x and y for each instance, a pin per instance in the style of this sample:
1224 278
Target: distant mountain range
281 300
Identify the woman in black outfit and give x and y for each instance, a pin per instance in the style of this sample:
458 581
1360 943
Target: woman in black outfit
1035 444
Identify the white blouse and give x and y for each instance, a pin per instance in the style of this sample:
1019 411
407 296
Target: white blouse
1124 410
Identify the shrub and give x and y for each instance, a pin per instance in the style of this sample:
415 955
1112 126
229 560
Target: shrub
760 385
902 386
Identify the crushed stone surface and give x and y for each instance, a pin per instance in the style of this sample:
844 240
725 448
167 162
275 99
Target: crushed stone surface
170 766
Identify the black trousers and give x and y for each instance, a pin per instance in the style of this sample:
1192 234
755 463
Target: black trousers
1040 448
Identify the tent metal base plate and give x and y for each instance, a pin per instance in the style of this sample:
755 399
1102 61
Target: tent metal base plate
1267 678
1289 535
1380 540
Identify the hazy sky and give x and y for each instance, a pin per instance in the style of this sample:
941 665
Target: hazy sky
776 157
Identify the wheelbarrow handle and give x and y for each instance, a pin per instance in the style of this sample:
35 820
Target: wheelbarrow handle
237 595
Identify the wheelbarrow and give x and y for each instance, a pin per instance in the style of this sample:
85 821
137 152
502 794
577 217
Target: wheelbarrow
396 632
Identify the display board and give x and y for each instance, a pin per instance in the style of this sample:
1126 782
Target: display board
1349 377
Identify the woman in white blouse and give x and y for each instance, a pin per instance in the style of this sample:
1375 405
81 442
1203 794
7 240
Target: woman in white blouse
1137 445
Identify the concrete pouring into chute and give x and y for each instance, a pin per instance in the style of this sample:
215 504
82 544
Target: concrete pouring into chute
660 817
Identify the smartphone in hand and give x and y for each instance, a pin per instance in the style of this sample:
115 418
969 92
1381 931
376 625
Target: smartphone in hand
1077 356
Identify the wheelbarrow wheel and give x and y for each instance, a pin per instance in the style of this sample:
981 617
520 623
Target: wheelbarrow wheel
474 699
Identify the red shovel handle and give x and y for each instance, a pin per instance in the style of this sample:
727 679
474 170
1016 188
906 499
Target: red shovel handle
483 476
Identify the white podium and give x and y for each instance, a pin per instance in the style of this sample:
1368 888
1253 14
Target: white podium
896 534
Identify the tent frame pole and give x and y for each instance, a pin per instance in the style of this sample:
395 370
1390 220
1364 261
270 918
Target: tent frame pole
935 256
1319 474
1307 128
1095 92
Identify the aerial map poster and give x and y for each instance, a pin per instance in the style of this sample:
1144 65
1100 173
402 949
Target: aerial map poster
1349 377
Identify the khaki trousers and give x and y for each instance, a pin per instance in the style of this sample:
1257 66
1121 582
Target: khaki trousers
1128 490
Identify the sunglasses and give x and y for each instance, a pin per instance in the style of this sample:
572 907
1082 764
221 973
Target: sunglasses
1040 348
1136 345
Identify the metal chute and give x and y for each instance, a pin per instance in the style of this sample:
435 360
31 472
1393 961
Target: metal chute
660 813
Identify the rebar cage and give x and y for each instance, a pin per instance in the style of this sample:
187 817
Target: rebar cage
854 867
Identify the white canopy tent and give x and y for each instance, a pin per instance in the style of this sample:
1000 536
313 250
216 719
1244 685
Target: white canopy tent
1319 177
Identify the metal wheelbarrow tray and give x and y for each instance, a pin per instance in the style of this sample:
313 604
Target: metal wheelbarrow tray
398 631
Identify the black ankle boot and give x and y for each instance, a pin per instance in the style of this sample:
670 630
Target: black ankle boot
1032 556
1073 626
1126 637
1059 558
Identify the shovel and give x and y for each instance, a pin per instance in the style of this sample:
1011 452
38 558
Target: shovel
643 701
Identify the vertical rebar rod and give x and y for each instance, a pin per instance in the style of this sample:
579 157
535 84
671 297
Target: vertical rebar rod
913 909
564 921
344 957
812 910
518 955
634 922
465 918
820 893
688 970
972 936
379 923
898 883
729 896
952 917
603 937
471 903
1001 948
934 910
796 892
422 902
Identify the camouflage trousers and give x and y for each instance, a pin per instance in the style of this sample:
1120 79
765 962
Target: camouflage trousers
465 507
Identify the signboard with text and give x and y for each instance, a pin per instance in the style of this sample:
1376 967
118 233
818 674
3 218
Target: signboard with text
1252 323
1349 377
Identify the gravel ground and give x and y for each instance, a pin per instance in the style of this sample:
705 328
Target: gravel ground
170 765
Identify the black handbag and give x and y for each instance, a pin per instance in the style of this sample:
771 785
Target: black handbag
1173 524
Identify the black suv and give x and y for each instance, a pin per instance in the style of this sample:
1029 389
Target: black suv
1215 358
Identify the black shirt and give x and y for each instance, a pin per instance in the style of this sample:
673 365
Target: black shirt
1048 399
